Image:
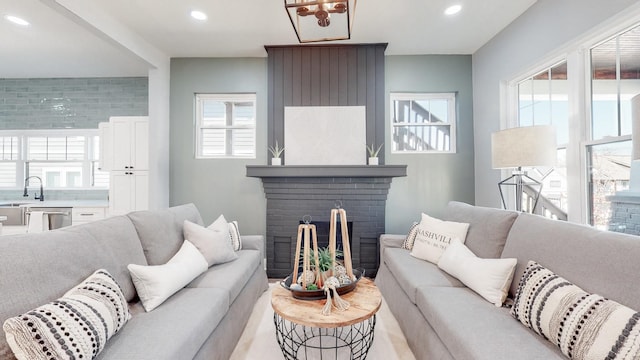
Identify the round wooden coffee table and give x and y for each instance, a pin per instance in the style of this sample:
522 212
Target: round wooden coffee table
304 333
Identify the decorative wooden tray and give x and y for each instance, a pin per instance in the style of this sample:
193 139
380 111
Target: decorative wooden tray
320 294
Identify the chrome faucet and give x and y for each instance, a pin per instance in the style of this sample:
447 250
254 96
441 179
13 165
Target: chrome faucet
26 184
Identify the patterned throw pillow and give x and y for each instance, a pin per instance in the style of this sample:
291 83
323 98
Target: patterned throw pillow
411 236
582 325
434 235
77 325
234 232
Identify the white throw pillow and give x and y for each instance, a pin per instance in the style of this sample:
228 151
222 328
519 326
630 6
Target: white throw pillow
434 235
214 242
490 278
156 283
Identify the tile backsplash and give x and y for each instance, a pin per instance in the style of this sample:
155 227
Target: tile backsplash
79 103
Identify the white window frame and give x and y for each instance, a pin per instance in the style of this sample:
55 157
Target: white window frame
450 97
198 127
577 55
21 162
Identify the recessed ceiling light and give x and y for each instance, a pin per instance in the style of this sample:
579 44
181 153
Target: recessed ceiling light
16 20
453 9
198 15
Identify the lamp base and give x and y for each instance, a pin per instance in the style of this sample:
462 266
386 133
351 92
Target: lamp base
521 181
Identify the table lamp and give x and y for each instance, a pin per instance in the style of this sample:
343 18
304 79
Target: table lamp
521 147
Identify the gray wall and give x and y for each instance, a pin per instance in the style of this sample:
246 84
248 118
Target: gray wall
79 103
217 186
546 26
432 179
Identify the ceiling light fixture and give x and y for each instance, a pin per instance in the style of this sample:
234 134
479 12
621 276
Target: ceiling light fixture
321 20
198 15
16 20
453 9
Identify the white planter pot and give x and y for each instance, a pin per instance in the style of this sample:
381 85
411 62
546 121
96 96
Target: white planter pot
373 161
276 161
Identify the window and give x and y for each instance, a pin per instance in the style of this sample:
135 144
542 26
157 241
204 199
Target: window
543 99
615 79
423 122
61 158
225 126
608 165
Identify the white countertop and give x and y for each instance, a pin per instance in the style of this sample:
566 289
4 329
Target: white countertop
60 203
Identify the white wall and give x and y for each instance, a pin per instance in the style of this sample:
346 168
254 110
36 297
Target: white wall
539 33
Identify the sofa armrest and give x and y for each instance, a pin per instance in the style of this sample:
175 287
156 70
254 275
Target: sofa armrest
390 241
254 242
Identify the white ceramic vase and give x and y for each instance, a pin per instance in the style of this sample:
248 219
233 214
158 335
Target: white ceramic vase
276 161
373 161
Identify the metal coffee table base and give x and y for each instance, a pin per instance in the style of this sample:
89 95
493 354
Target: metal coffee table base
299 342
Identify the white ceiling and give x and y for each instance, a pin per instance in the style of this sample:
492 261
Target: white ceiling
56 44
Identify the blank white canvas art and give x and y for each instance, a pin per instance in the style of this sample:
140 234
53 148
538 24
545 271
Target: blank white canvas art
325 135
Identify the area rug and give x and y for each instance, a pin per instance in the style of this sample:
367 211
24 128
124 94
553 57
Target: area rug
259 338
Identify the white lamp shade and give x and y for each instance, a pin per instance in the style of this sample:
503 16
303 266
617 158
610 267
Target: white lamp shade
524 147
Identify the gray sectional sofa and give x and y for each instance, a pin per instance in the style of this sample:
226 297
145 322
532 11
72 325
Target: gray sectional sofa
202 321
442 319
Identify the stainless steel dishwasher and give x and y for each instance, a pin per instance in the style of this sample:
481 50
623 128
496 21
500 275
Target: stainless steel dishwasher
58 216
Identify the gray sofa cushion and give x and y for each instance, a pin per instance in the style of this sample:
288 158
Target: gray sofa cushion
174 330
413 273
160 231
600 262
230 276
38 268
118 244
488 228
472 328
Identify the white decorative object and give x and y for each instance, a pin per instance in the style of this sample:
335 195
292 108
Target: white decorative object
490 278
214 242
434 236
276 161
156 283
373 161
325 135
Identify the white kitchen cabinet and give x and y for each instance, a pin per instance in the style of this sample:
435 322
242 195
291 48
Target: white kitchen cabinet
130 142
105 159
128 191
83 215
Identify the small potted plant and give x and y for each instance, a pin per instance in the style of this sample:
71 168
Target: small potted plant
276 151
373 154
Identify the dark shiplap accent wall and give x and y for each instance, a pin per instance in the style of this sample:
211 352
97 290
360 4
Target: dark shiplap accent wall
326 75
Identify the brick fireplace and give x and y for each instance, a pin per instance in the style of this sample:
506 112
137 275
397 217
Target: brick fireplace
295 191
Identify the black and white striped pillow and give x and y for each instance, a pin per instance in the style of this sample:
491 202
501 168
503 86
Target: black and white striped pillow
411 236
76 325
234 232
582 325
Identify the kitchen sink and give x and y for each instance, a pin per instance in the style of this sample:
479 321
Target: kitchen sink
14 213
13 204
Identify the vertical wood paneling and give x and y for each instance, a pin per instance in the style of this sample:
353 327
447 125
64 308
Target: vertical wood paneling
315 77
334 76
305 80
362 77
325 73
296 74
380 116
287 74
278 97
352 73
371 95
340 75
